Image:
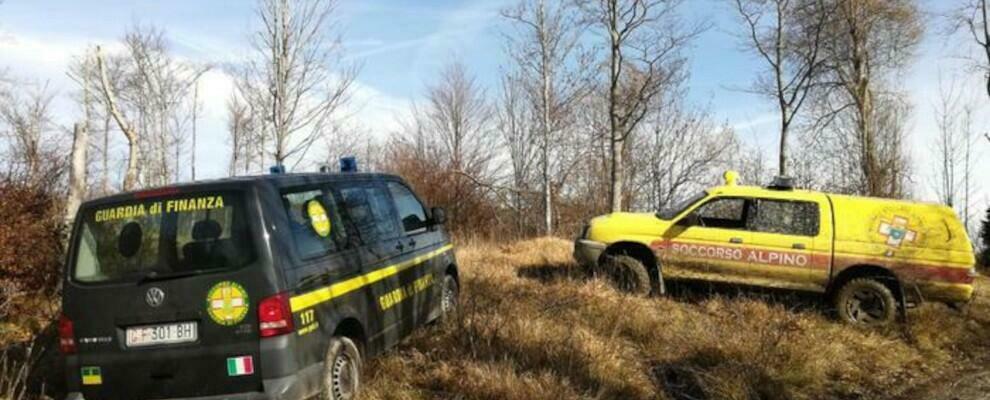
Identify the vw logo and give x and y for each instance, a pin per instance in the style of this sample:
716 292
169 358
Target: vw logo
155 297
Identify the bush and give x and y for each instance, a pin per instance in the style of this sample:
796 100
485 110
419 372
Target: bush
31 243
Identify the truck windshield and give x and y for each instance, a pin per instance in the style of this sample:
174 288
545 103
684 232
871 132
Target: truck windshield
176 235
679 207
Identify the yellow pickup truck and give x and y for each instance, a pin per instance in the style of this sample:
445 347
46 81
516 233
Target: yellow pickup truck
869 255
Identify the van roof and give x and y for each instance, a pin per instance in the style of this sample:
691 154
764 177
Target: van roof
277 180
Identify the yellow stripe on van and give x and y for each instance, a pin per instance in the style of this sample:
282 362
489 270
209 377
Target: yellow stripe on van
327 293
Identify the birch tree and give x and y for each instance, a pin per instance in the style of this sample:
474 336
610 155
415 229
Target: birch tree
954 152
971 17
787 36
545 48
297 74
644 40
123 123
869 43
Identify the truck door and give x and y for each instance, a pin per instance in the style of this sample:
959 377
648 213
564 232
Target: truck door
790 245
709 243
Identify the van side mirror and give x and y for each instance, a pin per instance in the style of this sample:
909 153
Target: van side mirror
437 216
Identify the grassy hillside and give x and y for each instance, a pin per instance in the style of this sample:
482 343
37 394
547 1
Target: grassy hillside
533 327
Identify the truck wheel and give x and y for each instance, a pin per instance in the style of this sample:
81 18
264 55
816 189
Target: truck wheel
866 302
448 297
341 370
630 275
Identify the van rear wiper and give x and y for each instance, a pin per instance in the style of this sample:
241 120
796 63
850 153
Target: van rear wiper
156 277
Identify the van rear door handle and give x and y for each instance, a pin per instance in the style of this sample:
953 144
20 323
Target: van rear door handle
799 246
735 240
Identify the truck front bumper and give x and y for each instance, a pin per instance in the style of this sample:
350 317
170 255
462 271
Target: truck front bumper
588 252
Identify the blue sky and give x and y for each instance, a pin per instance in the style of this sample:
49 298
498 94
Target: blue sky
402 44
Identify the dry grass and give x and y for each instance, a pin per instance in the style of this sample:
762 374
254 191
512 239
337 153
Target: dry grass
533 327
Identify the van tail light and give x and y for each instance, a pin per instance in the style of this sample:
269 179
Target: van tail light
274 317
66 335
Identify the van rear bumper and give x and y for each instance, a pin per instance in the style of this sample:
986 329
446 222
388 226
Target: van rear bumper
299 386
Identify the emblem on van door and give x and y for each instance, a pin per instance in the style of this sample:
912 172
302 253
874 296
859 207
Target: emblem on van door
154 297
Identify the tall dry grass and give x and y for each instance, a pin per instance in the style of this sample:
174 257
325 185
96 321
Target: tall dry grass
533 327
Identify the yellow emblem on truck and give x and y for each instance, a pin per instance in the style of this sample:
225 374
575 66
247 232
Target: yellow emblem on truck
227 303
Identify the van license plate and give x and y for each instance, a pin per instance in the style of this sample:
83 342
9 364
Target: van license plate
150 335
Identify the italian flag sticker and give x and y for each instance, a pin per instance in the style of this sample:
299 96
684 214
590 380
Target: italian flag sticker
237 366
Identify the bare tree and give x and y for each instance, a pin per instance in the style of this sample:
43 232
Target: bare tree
240 127
644 40
446 151
869 41
545 48
133 149
971 16
954 149
296 76
685 151
515 123
195 111
27 128
788 36
159 90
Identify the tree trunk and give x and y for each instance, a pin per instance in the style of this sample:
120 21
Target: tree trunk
616 139
192 151
617 175
77 176
782 158
133 152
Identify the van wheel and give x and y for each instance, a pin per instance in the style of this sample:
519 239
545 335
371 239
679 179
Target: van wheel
866 302
448 296
630 275
341 370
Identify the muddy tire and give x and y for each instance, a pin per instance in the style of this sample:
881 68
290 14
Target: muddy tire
341 370
449 293
866 302
629 275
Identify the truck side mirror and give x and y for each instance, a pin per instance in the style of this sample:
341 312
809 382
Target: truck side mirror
437 216
691 219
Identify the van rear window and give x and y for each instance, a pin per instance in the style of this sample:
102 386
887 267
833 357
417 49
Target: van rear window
165 236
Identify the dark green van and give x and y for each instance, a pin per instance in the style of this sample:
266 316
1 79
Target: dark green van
264 287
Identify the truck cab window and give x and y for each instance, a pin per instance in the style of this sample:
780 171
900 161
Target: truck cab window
786 217
411 211
728 213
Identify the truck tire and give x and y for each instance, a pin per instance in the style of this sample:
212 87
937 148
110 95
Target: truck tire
866 302
629 275
341 370
448 297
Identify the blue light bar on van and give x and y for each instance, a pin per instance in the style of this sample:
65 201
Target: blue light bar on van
348 164
277 169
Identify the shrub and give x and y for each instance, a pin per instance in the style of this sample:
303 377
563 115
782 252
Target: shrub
31 247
